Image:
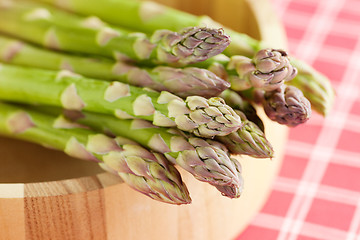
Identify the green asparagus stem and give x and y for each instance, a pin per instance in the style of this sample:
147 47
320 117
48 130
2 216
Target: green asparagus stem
315 87
201 116
58 30
287 105
146 172
207 160
149 16
182 82
249 139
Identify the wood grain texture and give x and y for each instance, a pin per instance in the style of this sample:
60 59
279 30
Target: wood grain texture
72 216
74 200
12 219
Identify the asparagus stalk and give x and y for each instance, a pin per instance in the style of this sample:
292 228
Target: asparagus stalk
146 172
249 139
149 16
287 105
315 87
201 116
58 30
207 160
182 82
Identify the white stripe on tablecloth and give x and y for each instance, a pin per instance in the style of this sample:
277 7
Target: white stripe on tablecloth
346 158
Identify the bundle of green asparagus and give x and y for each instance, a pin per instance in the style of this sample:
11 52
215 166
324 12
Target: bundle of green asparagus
147 16
141 88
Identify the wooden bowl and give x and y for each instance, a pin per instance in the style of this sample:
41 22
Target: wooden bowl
45 194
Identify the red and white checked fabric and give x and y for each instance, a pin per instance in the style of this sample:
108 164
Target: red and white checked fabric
317 192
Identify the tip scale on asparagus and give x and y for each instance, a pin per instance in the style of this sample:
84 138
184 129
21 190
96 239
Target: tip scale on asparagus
208 117
190 45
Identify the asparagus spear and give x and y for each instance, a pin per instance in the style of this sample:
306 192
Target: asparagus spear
182 82
54 29
146 172
201 116
207 160
249 139
315 87
287 105
148 16
267 70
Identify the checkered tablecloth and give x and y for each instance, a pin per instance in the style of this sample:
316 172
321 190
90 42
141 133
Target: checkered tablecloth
317 192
